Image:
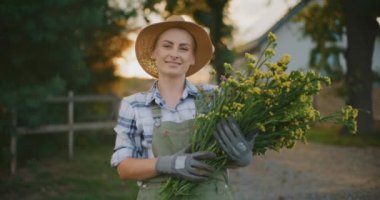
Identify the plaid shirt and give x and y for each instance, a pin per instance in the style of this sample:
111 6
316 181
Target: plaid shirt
134 127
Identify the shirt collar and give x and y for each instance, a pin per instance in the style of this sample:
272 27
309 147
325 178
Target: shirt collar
154 93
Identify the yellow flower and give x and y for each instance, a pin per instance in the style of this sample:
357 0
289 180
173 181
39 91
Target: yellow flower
202 116
286 84
249 82
355 113
272 37
277 77
261 127
268 103
254 90
312 73
237 106
272 66
227 68
239 75
327 80
311 114
250 66
268 74
258 74
212 72
299 133
232 83
284 60
250 58
270 53
270 93
318 87
303 98
225 108
283 76
349 113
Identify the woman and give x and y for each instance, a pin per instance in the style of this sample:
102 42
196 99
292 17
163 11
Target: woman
154 128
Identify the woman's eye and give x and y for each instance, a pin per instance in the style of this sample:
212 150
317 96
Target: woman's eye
184 49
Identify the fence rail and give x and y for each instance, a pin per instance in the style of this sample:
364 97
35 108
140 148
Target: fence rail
65 127
70 127
82 98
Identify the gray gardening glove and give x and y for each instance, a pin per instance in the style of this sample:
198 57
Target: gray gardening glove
187 165
237 147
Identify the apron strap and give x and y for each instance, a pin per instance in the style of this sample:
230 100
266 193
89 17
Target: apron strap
156 113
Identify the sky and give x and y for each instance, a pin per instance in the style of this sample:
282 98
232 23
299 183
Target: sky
251 17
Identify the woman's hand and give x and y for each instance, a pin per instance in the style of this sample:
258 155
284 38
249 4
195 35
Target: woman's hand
235 145
186 165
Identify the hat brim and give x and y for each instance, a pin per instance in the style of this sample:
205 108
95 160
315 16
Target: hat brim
147 37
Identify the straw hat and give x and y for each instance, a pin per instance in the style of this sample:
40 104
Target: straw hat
147 37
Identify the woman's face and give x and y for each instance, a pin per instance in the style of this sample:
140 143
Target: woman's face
174 53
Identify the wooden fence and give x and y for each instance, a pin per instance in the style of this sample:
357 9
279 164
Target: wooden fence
71 125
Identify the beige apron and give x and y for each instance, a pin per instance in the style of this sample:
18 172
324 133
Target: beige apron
168 139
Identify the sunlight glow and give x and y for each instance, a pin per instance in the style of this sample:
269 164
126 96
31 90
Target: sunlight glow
252 18
129 67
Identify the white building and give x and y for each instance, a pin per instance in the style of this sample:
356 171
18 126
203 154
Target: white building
291 41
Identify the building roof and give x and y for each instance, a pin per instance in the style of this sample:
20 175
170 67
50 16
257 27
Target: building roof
255 44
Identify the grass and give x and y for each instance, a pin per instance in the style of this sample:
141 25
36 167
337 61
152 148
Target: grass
332 136
54 177
44 171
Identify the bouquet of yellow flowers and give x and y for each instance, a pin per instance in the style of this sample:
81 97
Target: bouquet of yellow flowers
271 100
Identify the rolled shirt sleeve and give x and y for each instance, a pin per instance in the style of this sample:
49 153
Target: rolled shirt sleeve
128 142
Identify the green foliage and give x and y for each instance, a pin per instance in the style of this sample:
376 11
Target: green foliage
326 32
332 136
30 101
49 47
52 176
326 24
272 102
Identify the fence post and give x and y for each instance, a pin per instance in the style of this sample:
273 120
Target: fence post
71 124
14 144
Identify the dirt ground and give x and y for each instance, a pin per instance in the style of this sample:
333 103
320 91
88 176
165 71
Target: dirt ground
310 171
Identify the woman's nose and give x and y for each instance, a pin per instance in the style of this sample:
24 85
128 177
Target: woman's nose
174 54
174 57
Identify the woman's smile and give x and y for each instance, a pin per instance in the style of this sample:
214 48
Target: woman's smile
173 63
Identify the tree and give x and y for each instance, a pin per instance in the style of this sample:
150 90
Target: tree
361 34
48 47
326 24
209 13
